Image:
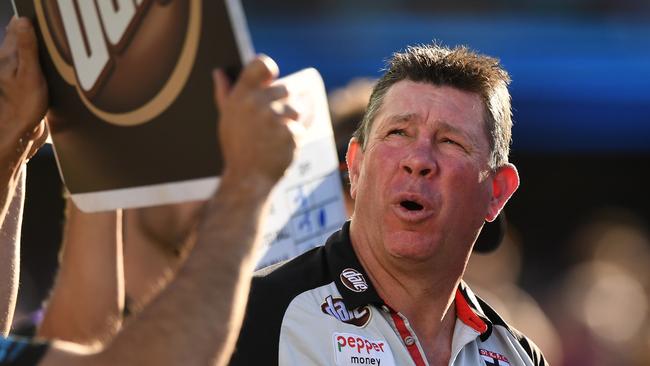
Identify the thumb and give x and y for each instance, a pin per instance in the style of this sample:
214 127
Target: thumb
221 87
27 47
9 41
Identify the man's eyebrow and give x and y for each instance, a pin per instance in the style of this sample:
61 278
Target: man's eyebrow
403 117
443 125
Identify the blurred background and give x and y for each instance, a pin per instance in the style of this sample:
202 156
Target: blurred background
574 269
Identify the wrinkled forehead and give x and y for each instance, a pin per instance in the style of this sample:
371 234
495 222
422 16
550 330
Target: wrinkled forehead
424 102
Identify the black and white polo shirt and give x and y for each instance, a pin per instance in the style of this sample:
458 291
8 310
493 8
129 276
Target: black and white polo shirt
321 309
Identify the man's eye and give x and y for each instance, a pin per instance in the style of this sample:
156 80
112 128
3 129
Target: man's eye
397 131
450 141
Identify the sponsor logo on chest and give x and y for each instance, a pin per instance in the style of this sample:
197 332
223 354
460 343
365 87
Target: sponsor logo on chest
353 280
493 358
335 307
354 349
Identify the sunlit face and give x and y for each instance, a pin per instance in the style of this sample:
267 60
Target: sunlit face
422 186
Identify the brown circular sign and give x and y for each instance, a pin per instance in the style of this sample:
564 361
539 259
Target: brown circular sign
127 59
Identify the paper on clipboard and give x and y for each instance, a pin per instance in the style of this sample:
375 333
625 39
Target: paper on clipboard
307 204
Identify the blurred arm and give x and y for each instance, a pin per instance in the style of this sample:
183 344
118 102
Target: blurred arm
10 255
23 102
156 242
196 318
87 300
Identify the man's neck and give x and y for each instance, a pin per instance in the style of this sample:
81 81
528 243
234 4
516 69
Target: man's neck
423 296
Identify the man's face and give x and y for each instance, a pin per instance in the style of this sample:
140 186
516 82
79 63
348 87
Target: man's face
422 186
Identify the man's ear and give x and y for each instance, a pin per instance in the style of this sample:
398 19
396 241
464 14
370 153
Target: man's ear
505 182
353 158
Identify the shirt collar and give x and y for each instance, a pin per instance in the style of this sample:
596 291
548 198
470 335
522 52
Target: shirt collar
469 311
357 289
350 277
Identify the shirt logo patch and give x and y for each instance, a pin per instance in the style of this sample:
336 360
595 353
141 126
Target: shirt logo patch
493 358
335 307
353 349
353 280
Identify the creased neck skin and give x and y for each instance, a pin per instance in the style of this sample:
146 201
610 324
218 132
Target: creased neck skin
410 288
424 298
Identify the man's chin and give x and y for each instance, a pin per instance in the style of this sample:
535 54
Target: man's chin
411 245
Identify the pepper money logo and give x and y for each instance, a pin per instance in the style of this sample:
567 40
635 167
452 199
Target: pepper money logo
127 59
353 349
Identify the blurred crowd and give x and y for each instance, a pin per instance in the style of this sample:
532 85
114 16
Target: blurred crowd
595 313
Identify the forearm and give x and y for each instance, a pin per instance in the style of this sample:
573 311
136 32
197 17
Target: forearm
214 280
23 101
10 255
88 296
12 160
196 318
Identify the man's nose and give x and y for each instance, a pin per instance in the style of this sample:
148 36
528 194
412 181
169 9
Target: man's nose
420 161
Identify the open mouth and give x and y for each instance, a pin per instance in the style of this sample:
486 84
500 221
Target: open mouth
411 205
